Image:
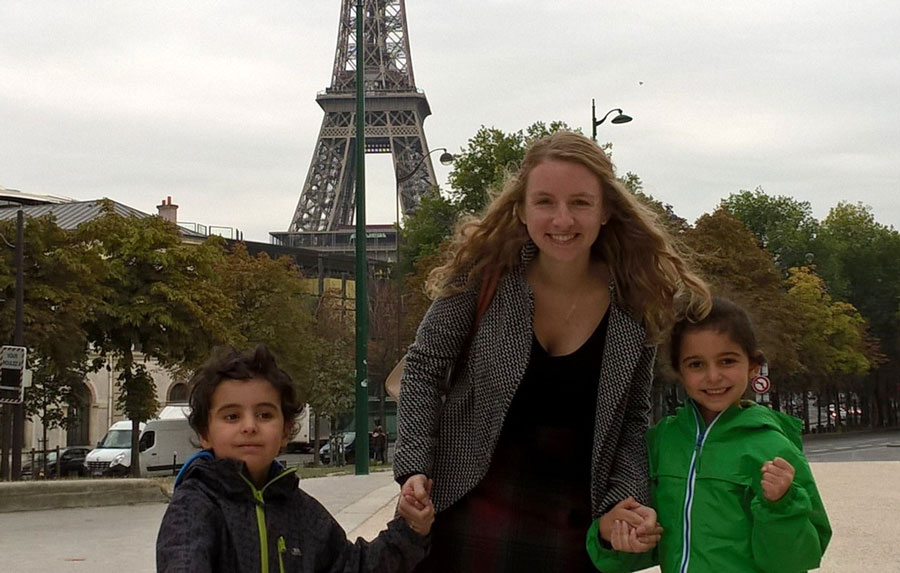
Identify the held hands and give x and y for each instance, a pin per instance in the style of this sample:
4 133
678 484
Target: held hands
631 527
415 505
777 477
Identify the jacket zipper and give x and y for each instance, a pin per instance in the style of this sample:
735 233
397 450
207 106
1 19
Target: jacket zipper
261 521
689 493
281 549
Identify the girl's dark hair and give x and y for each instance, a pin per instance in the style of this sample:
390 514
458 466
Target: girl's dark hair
226 363
725 317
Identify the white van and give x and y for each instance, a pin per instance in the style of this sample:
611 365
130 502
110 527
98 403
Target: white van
112 456
167 441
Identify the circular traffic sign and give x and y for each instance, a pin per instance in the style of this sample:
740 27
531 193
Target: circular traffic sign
760 384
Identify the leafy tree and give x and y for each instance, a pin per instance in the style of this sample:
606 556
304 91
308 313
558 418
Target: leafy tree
832 339
61 291
270 304
859 259
161 298
782 225
332 382
664 211
425 231
831 343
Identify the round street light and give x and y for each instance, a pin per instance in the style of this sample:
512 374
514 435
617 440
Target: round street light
619 118
446 158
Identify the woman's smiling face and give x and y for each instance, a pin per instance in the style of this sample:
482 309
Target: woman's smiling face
563 209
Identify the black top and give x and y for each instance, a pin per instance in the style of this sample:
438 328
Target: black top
532 509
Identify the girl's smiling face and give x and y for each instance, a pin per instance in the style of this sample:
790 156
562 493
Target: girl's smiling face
715 370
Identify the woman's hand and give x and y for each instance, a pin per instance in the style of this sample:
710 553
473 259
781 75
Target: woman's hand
637 520
419 520
417 491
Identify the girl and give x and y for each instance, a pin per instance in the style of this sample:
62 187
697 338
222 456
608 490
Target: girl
542 429
731 486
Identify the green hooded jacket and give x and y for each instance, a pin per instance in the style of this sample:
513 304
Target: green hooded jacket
707 494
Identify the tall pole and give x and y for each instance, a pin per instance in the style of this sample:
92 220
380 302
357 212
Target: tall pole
19 409
362 301
593 120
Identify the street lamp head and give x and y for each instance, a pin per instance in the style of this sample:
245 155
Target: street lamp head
447 158
619 118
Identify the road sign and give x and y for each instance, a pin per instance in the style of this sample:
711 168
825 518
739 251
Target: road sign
12 365
760 384
13 357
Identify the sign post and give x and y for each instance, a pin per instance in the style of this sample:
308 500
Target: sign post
12 361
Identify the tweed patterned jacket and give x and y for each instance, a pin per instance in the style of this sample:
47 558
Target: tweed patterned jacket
452 440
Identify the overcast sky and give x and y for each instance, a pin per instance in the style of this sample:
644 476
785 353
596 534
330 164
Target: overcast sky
213 103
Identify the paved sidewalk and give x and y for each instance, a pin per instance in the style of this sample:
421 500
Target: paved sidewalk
862 499
123 537
357 502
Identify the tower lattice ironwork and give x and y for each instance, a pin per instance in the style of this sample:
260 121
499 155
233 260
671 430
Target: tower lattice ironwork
395 110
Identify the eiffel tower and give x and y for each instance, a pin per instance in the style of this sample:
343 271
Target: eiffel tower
395 110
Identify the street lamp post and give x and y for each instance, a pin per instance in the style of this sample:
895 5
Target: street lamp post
362 302
620 118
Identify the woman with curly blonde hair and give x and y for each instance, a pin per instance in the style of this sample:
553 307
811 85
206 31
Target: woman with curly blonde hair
542 428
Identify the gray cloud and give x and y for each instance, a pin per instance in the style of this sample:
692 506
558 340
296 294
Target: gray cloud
213 103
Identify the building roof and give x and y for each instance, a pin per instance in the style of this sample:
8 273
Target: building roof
15 197
69 215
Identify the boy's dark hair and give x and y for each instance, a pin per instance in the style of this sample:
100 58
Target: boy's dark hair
725 317
227 363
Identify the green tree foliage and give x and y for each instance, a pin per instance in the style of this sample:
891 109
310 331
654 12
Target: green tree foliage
426 231
333 376
61 291
831 340
783 226
271 304
160 297
859 259
664 211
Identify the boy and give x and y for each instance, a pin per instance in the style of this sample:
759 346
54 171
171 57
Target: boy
236 509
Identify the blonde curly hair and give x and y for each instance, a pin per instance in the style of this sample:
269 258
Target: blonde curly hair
653 279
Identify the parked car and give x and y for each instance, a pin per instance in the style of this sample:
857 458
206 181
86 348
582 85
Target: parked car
71 462
349 440
112 456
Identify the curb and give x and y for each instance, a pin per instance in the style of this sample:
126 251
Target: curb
56 494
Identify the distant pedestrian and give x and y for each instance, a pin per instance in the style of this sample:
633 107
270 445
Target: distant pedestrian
236 509
732 488
542 428
379 443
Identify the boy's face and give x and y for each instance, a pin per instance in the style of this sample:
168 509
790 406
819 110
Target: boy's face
246 424
715 370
